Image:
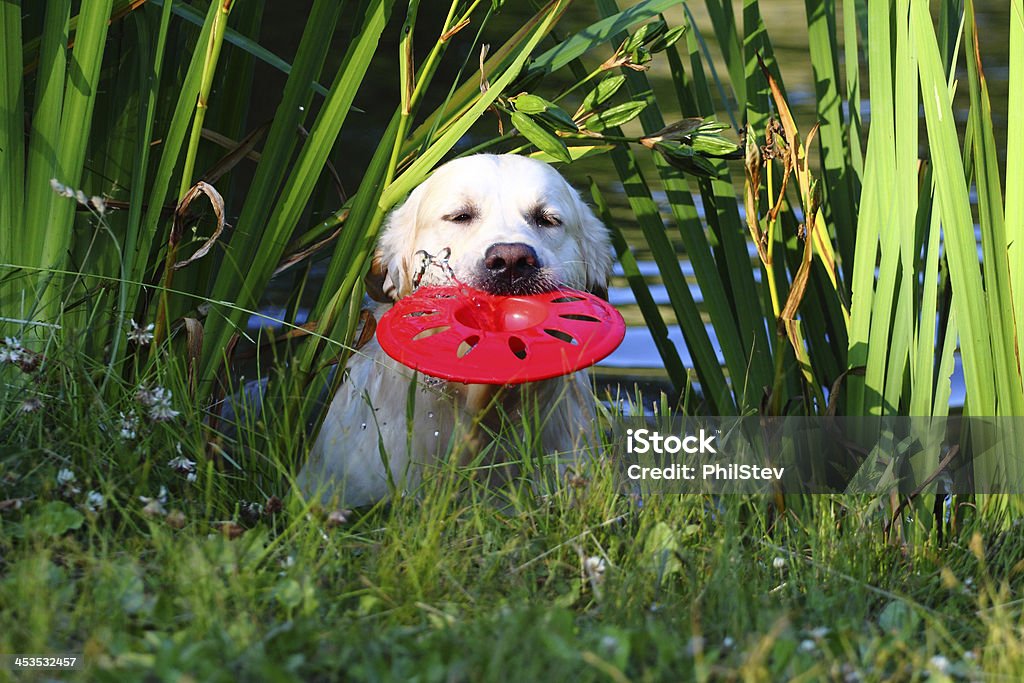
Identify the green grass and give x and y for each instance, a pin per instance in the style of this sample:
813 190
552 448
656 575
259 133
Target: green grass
231 577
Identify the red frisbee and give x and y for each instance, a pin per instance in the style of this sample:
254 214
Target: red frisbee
466 335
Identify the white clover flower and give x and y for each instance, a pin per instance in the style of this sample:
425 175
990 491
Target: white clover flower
11 351
728 642
182 465
95 501
66 482
594 567
141 335
31 405
160 405
808 645
338 517
779 563
939 663
129 425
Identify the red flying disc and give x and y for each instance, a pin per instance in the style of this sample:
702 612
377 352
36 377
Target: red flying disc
470 336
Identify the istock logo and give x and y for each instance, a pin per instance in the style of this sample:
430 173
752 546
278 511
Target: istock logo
641 441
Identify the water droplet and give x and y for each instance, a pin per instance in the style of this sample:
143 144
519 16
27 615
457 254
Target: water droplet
362 426
437 434
430 415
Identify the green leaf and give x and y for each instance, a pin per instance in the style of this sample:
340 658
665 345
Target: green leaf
686 159
714 146
56 519
668 39
641 293
529 104
899 618
76 119
661 550
958 225
602 93
544 139
1015 164
644 35
614 116
12 131
549 112
993 231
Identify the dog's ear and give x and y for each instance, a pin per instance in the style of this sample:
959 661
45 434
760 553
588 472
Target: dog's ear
596 251
378 285
392 261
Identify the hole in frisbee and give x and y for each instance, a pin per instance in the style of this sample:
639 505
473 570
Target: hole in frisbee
563 336
467 345
431 331
566 299
419 314
518 347
580 316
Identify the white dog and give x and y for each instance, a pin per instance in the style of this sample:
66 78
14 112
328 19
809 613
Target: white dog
513 226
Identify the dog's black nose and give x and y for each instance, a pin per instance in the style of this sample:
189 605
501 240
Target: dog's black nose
511 259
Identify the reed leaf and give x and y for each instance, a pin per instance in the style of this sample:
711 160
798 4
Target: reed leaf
75 119
642 294
955 212
994 239
1014 215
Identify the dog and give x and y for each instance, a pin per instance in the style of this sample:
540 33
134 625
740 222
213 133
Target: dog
504 224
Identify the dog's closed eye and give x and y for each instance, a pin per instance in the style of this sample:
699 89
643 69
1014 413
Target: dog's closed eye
544 218
462 215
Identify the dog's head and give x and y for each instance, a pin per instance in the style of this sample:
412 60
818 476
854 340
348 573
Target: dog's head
507 225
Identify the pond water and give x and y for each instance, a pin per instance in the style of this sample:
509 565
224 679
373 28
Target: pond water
637 360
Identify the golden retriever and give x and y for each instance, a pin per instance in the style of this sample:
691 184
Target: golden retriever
507 225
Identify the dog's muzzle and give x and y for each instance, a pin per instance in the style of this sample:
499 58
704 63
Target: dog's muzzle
512 268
